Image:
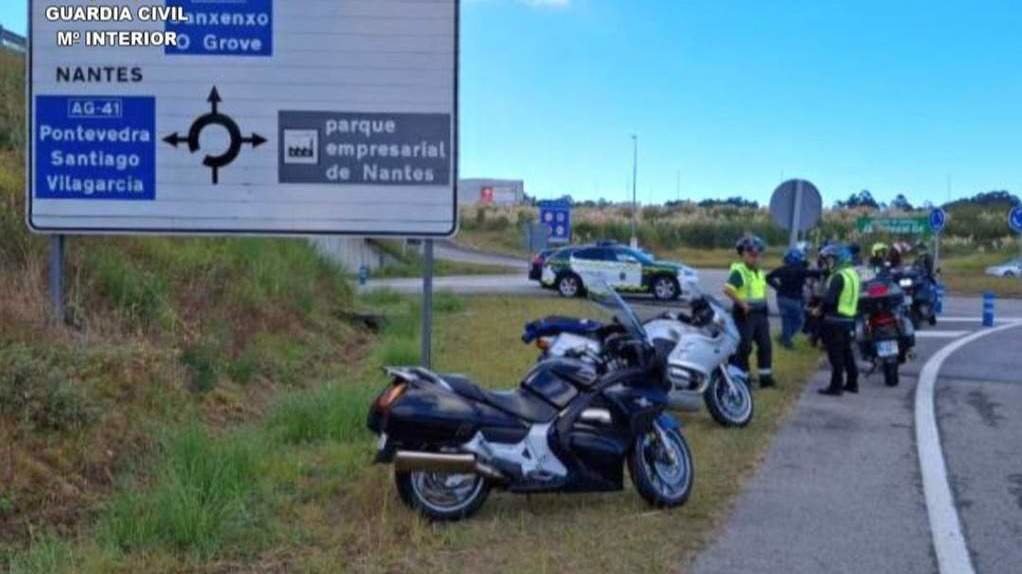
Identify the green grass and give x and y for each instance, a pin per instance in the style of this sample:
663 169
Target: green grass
409 263
203 497
966 274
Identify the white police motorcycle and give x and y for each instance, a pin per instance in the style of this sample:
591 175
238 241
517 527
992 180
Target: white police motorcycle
699 346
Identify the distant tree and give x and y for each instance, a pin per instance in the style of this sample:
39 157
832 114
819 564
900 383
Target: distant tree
901 203
987 199
736 201
863 199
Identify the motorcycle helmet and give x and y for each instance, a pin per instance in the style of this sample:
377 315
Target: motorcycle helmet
836 255
750 243
794 256
879 249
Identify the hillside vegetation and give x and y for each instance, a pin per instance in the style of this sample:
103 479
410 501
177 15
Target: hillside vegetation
973 227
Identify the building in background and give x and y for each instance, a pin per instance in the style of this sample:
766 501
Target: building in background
491 192
11 41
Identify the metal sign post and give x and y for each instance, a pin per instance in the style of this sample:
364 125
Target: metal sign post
796 214
427 305
56 277
938 222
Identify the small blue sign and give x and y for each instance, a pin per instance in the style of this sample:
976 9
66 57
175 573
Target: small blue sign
95 148
1015 219
556 215
938 220
223 28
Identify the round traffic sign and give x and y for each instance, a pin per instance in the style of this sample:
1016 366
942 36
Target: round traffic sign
1015 219
796 203
938 220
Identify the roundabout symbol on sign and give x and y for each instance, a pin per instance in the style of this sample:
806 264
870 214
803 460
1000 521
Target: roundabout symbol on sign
215 118
938 220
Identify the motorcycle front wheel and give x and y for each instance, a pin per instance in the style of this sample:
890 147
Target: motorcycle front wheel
661 467
442 497
730 402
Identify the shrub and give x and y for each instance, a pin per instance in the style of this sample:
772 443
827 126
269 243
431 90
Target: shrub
203 361
138 294
36 391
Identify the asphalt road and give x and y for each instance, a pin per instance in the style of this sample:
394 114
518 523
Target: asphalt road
840 489
711 280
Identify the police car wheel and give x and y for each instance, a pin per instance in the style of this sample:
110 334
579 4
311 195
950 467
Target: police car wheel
569 285
666 288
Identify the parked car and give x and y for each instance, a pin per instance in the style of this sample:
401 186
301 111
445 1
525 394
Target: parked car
623 268
1012 268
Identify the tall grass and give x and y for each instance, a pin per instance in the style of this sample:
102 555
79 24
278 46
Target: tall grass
203 496
333 413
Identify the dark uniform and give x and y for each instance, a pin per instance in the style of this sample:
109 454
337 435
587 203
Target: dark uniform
840 306
750 287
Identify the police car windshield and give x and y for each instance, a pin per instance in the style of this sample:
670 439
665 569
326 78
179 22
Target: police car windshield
642 257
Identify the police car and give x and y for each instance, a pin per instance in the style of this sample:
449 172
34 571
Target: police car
625 269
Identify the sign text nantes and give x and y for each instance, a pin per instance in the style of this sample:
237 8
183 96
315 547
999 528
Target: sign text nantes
243 116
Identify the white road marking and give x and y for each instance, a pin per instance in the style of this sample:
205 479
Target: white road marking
941 334
978 319
945 525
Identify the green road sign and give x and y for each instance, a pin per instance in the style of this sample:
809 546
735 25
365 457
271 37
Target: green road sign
894 225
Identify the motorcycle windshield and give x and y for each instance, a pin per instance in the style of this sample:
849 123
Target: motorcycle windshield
607 298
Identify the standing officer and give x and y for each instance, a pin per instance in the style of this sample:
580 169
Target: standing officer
747 288
839 307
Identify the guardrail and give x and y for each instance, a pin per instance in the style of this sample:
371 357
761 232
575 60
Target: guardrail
12 41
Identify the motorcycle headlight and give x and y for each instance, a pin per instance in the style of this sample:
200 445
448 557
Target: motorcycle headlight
905 283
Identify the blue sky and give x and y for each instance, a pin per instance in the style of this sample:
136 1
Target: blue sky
889 96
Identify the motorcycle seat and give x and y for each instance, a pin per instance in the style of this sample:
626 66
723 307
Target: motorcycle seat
519 402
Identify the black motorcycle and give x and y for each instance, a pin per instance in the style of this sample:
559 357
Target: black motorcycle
885 333
566 428
920 290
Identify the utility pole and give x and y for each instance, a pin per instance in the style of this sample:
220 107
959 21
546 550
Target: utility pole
635 184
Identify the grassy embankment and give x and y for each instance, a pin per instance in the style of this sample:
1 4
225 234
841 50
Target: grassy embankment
409 263
966 274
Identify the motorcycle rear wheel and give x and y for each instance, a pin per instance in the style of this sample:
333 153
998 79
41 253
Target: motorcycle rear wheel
729 405
891 375
442 497
661 467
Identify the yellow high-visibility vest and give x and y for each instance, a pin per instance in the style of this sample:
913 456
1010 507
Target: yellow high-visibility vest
754 284
848 302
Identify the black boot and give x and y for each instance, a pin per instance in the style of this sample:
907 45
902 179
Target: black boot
852 387
831 390
767 381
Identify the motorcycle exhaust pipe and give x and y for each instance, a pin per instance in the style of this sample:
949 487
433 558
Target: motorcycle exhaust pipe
410 461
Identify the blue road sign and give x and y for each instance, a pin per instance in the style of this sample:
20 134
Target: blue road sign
1015 219
223 28
556 215
938 220
95 148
